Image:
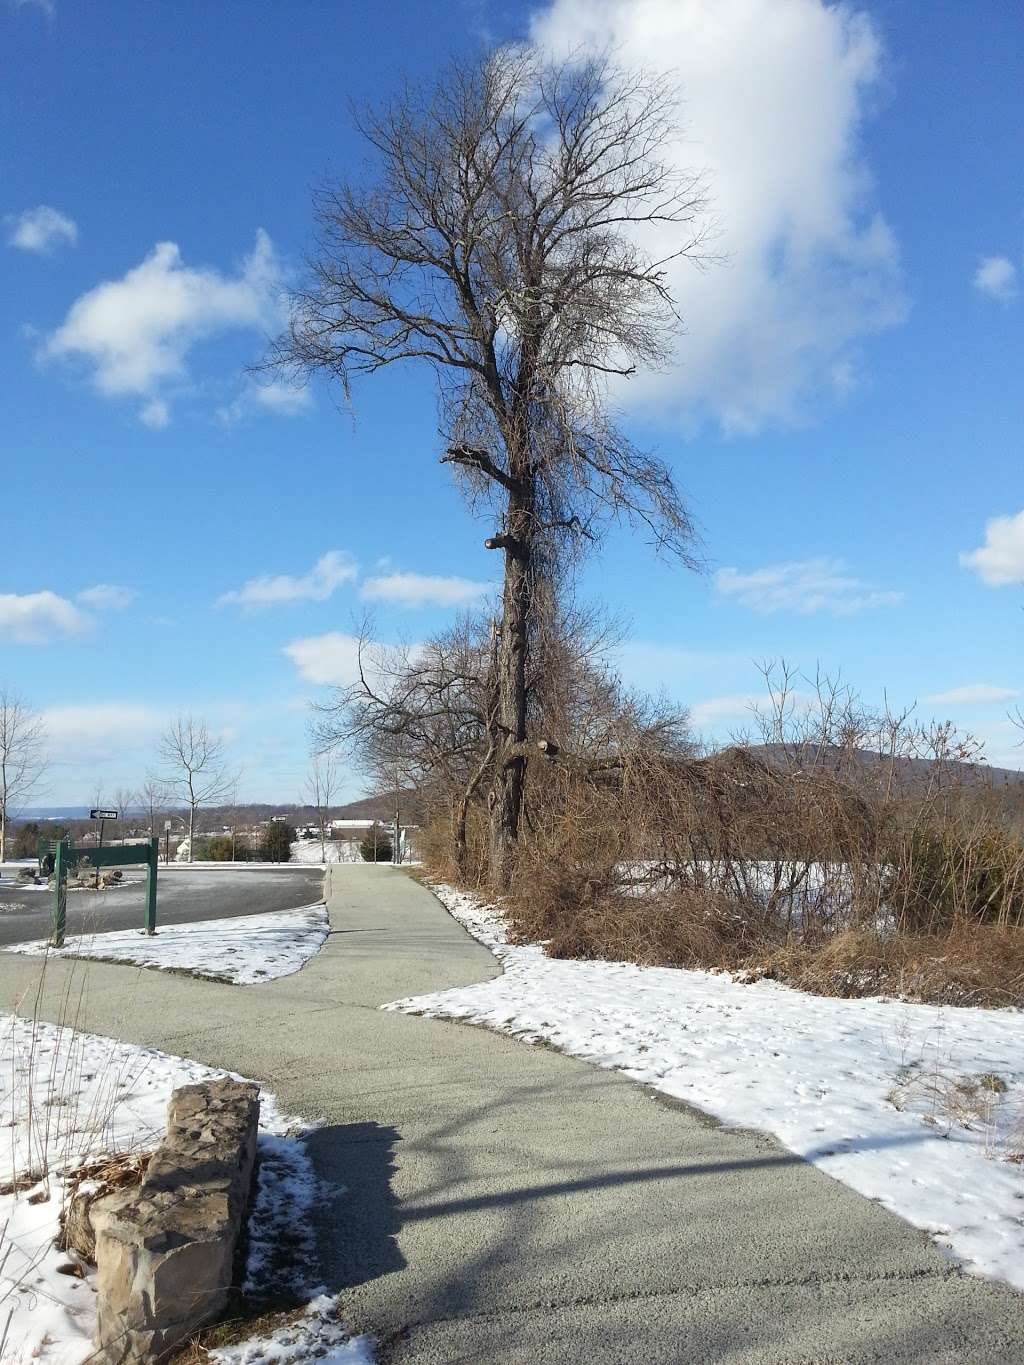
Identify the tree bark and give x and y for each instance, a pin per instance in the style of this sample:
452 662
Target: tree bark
505 801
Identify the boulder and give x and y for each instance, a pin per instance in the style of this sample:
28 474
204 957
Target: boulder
165 1251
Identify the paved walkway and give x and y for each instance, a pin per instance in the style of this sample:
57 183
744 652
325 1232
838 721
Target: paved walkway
507 1205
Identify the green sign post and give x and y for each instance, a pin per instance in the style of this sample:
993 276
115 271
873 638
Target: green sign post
66 856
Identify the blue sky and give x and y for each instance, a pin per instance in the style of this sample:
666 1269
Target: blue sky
844 415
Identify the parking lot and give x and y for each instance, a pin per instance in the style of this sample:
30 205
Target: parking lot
184 895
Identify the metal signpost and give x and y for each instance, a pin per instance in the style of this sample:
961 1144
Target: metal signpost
102 815
66 856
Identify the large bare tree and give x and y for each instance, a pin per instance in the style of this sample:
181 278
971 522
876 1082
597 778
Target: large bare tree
197 771
502 244
22 757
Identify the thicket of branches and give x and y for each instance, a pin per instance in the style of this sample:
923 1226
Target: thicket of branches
843 848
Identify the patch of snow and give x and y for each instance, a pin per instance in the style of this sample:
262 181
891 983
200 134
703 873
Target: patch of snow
900 1101
68 1098
246 950
318 1335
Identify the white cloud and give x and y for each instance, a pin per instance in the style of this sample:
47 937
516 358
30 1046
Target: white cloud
330 572
281 399
996 276
1000 560
155 414
973 694
805 586
103 731
331 658
32 618
135 333
284 398
708 713
41 229
108 596
774 94
424 590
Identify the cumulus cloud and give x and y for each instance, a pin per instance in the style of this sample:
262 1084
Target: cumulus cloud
33 618
774 94
424 590
996 276
41 230
330 572
1000 560
973 694
331 658
805 586
134 334
107 596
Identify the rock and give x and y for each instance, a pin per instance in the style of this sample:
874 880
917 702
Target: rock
27 874
77 1232
165 1251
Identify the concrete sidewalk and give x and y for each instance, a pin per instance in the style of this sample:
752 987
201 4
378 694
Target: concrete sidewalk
508 1204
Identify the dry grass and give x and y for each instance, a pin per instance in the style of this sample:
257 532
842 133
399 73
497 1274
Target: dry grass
584 910
977 966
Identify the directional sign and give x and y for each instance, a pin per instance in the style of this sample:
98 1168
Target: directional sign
99 814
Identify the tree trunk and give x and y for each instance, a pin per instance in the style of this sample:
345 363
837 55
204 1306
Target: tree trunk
505 801
191 832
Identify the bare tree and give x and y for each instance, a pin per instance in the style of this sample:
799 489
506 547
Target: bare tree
320 790
150 797
22 757
197 770
125 801
502 246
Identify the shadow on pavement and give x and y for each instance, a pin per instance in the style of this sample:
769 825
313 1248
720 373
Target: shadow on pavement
358 1213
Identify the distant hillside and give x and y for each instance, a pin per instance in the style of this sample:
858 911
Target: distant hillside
913 774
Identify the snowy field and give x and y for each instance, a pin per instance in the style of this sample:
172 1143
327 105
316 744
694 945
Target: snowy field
245 950
69 1099
920 1107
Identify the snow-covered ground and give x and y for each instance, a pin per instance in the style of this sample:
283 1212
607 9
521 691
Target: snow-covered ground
918 1106
246 950
68 1099
308 851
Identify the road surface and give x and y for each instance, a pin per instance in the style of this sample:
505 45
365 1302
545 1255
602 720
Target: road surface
183 896
491 1202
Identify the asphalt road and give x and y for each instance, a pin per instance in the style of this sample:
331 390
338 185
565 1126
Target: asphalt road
183 896
487 1201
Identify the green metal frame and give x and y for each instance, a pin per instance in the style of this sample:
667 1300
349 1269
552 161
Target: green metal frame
67 856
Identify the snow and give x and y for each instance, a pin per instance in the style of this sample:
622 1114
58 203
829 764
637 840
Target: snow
308 851
109 1097
903 1102
316 1336
246 950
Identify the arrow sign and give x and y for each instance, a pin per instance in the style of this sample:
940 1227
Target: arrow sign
99 814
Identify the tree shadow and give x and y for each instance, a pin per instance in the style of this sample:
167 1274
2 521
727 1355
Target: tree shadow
357 1213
